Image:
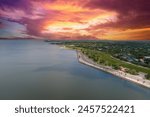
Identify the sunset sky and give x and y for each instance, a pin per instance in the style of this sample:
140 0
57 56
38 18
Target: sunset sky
75 19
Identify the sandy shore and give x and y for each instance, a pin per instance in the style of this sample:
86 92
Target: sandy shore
133 78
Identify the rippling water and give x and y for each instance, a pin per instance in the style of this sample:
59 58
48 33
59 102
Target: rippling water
38 70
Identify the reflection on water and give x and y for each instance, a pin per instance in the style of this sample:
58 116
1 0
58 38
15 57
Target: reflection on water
37 70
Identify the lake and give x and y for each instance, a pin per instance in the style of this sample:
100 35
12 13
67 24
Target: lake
34 69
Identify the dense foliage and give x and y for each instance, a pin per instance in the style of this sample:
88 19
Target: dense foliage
117 54
130 51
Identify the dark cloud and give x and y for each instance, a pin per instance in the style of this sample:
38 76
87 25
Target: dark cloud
20 4
16 4
131 13
121 6
128 22
33 27
1 25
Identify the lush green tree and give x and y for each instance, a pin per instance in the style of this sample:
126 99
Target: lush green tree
116 67
148 76
132 71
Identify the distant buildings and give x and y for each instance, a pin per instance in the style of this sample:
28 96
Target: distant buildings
147 59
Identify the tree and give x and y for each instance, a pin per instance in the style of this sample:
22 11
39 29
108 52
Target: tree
101 61
148 76
116 67
132 71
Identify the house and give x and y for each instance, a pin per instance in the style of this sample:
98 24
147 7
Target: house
147 59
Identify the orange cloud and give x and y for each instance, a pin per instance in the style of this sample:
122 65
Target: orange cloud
131 34
80 19
72 18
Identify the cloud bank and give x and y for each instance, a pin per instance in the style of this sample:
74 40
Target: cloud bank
78 19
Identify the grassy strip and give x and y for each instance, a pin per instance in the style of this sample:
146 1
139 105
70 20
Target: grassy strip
106 59
99 57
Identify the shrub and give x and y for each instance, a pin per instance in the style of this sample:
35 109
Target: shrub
116 67
132 71
148 76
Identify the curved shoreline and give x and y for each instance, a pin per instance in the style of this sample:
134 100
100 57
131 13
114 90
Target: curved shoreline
126 76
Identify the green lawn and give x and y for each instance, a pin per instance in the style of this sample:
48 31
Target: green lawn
104 58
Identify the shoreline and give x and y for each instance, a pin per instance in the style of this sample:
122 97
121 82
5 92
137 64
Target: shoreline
125 76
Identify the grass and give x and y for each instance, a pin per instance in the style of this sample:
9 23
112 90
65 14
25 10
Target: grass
101 57
106 59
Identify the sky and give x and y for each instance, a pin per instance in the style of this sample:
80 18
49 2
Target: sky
75 19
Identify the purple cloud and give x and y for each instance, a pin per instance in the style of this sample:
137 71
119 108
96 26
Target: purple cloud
131 13
16 4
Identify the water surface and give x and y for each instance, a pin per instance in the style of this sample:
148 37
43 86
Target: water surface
32 69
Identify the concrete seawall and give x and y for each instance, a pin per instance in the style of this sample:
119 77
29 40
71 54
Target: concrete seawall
126 76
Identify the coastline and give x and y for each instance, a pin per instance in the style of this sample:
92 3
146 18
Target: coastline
126 76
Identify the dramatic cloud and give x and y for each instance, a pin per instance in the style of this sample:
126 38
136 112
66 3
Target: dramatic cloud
79 19
130 12
1 25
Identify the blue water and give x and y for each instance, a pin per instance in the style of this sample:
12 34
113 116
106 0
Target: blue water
32 69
